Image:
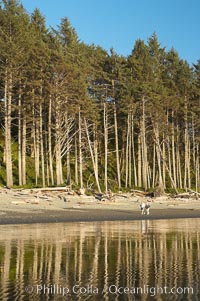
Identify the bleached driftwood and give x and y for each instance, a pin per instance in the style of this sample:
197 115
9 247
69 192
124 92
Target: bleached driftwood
142 193
188 195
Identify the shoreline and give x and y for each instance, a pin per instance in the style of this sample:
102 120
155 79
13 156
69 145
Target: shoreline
36 206
92 215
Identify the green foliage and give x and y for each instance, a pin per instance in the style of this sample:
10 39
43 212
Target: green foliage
55 77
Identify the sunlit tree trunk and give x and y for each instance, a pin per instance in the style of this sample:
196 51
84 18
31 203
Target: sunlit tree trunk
160 156
96 149
24 146
35 137
8 119
42 145
130 153
127 149
50 141
144 147
197 169
68 150
92 156
187 181
154 165
133 151
105 116
20 138
117 147
173 150
37 152
139 161
76 160
158 153
59 172
163 165
80 148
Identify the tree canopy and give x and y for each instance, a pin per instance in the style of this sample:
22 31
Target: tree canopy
74 113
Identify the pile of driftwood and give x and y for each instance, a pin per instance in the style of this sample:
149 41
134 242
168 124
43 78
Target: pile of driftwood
109 196
49 192
140 193
188 195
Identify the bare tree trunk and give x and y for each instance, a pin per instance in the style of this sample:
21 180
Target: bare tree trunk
76 161
173 150
168 147
197 169
186 141
160 156
20 138
130 153
127 149
92 156
133 151
189 156
122 157
158 152
149 176
105 147
59 172
154 165
45 135
163 165
144 147
96 149
179 171
36 137
8 119
178 164
169 157
42 146
117 147
193 143
139 161
50 141
47 163
68 167
68 150
195 156
80 150
24 147
37 152
58 159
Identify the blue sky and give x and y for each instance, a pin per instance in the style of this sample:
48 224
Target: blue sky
118 23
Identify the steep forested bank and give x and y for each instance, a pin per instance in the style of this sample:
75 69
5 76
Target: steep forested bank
72 113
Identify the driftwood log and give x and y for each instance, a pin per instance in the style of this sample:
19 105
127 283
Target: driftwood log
104 197
143 193
188 195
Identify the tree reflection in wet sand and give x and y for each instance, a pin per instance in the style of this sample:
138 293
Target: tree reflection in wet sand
140 260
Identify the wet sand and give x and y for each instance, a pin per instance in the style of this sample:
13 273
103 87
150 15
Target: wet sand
91 215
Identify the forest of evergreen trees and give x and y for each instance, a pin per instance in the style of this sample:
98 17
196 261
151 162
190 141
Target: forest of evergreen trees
72 113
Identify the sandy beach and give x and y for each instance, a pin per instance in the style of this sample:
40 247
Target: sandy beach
27 207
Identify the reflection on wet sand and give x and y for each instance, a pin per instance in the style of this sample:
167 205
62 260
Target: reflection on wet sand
97 257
